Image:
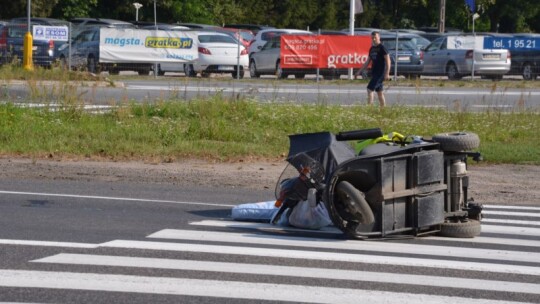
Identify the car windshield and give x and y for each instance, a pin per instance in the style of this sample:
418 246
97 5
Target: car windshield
16 31
403 45
216 39
246 35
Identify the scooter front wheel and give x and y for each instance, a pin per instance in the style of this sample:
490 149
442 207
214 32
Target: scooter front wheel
355 203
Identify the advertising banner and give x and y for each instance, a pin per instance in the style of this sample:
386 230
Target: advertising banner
42 32
512 43
324 51
134 45
465 42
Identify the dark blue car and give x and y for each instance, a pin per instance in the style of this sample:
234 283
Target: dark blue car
44 52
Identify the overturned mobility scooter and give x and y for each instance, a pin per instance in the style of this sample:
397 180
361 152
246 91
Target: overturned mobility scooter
388 186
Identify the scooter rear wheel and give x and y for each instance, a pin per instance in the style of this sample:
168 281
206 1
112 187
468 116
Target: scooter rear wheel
457 141
468 229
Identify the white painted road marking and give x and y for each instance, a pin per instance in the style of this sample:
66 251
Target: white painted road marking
113 198
526 231
514 222
382 247
507 213
217 288
327 256
291 271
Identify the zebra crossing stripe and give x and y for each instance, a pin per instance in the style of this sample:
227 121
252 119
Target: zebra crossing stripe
383 247
328 256
47 244
332 230
217 288
512 222
524 231
260 226
507 213
488 240
291 271
511 208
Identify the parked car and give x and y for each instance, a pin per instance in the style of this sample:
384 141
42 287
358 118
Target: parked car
197 26
268 62
85 55
90 22
432 33
440 59
245 36
364 30
263 36
44 52
166 27
79 24
525 54
254 28
330 32
218 53
409 57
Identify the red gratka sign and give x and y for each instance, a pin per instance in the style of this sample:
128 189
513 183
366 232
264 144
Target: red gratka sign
324 51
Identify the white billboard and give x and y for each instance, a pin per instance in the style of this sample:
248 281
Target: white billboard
465 42
134 45
42 32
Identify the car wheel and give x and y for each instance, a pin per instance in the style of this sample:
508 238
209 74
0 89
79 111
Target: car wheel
355 202
279 71
205 74
189 71
457 141
241 74
160 72
452 72
299 75
468 229
91 64
528 72
253 70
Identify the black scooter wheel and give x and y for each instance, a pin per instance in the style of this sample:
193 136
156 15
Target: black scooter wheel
467 229
355 201
457 141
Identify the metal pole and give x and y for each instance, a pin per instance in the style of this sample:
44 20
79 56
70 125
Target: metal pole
474 46
137 6
351 29
396 56
318 72
155 26
27 43
238 57
69 48
29 4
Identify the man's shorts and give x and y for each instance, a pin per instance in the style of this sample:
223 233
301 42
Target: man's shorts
376 84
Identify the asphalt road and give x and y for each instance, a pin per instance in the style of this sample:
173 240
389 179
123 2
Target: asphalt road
267 89
67 241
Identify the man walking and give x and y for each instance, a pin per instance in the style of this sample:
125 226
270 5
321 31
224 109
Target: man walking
380 70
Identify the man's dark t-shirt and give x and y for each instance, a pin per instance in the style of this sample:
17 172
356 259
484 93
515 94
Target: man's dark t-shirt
376 54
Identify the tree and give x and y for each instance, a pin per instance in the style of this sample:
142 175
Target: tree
18 8
509 16
68 9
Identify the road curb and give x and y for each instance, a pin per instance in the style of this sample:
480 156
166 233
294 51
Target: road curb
82 83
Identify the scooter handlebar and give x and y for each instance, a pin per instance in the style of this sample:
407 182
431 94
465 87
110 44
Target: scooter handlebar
359 134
